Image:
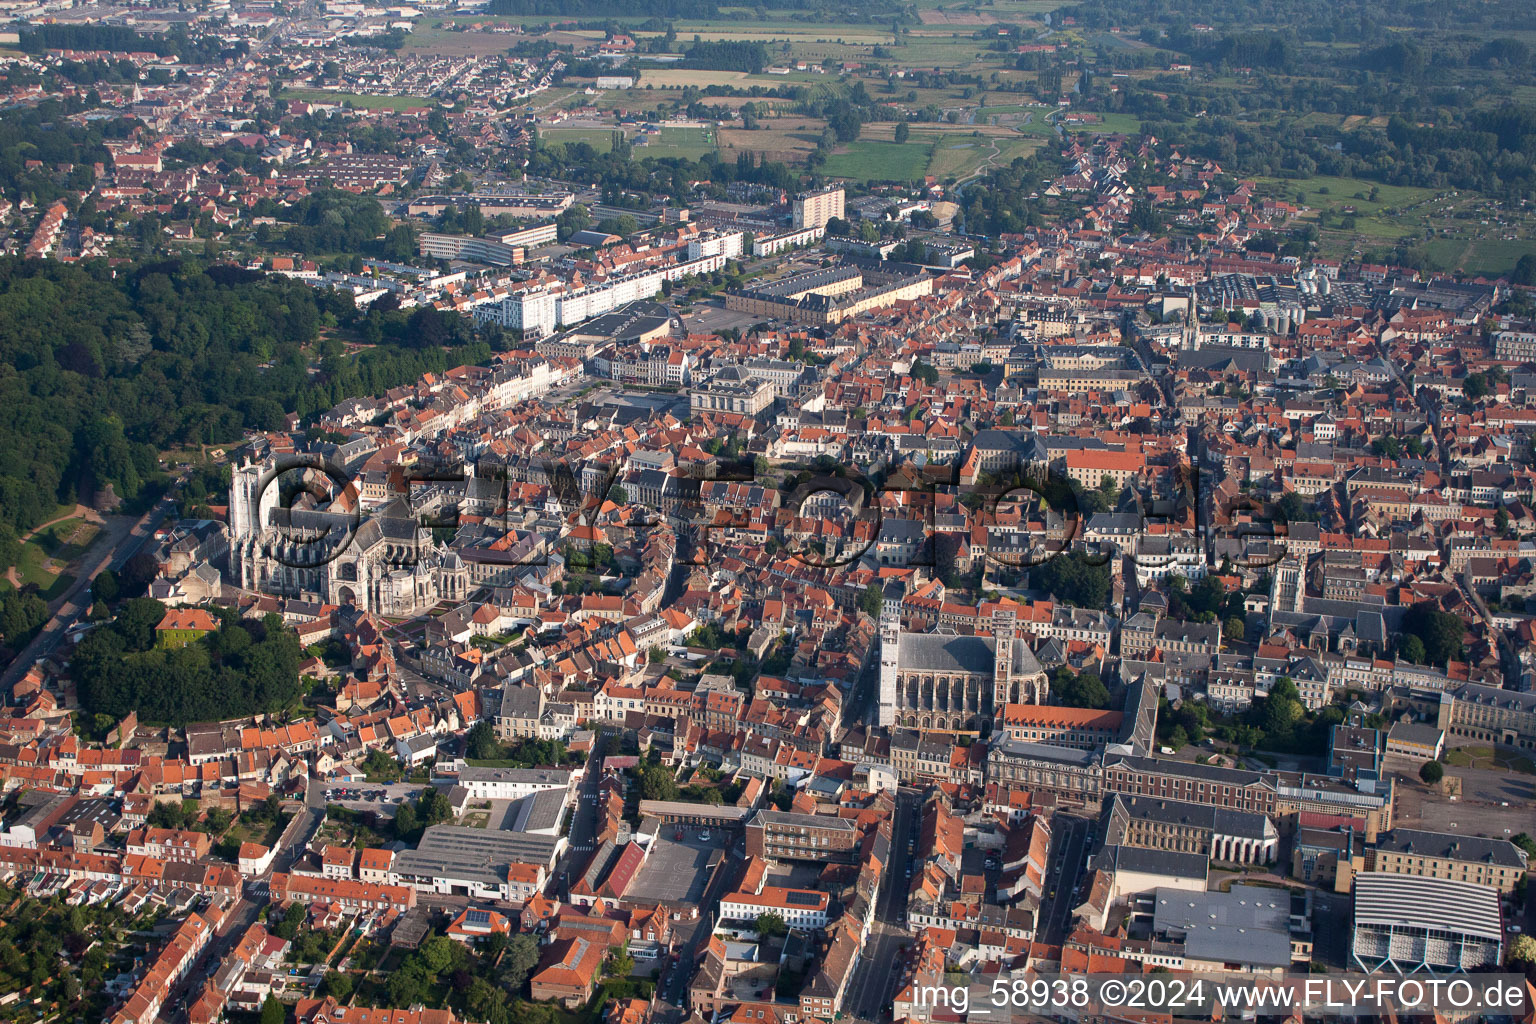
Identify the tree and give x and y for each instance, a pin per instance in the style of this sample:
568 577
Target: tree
1525 270
1292 508
769 924
1440 631
518 961
1073 579
618 963
1523 950
656 782
1079 689
1233 628
437 953
902 132
1282 709
406 987
481 743
338 984
273 1012
871 600
1432 772
136 622
105 586
1412 649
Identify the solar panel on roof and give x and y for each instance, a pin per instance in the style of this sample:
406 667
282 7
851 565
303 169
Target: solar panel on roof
804 898
478 917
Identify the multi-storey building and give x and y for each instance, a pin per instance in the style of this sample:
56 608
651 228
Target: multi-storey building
1492 862
1489 715
798 908
814 209
1083 728
783 835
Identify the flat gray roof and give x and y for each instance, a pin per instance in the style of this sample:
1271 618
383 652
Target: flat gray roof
1249 925
827 821
726 815
473 854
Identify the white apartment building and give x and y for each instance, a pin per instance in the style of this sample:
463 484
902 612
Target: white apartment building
800 908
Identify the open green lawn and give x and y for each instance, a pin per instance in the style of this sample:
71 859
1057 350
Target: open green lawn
881 161
1490 758
1466 233
1345 191
361 101
689 143
1127 123
45 558
600 139
959 157
1490 256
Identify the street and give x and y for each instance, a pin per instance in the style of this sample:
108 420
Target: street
583 824
1069 843
870 992
672 991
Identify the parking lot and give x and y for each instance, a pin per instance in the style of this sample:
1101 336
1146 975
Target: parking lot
676 871
371 796
707 317
1495 804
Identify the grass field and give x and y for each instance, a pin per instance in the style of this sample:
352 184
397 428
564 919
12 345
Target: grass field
1489 758
600 139
1491 256
359 100
690 143
787 139
954 159
688 76
881 161
1354 191
1127 123
45 558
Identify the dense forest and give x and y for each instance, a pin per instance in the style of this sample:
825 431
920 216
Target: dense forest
101 369
727 56
41 134
242 668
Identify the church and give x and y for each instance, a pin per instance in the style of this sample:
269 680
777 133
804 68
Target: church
946 682
387 563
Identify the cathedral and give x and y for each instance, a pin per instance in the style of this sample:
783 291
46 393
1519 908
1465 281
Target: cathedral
386 562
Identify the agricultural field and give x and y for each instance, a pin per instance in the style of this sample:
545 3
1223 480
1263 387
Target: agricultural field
962 158
1456 229
787 139
1100 123
880 161
684 77
439 38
